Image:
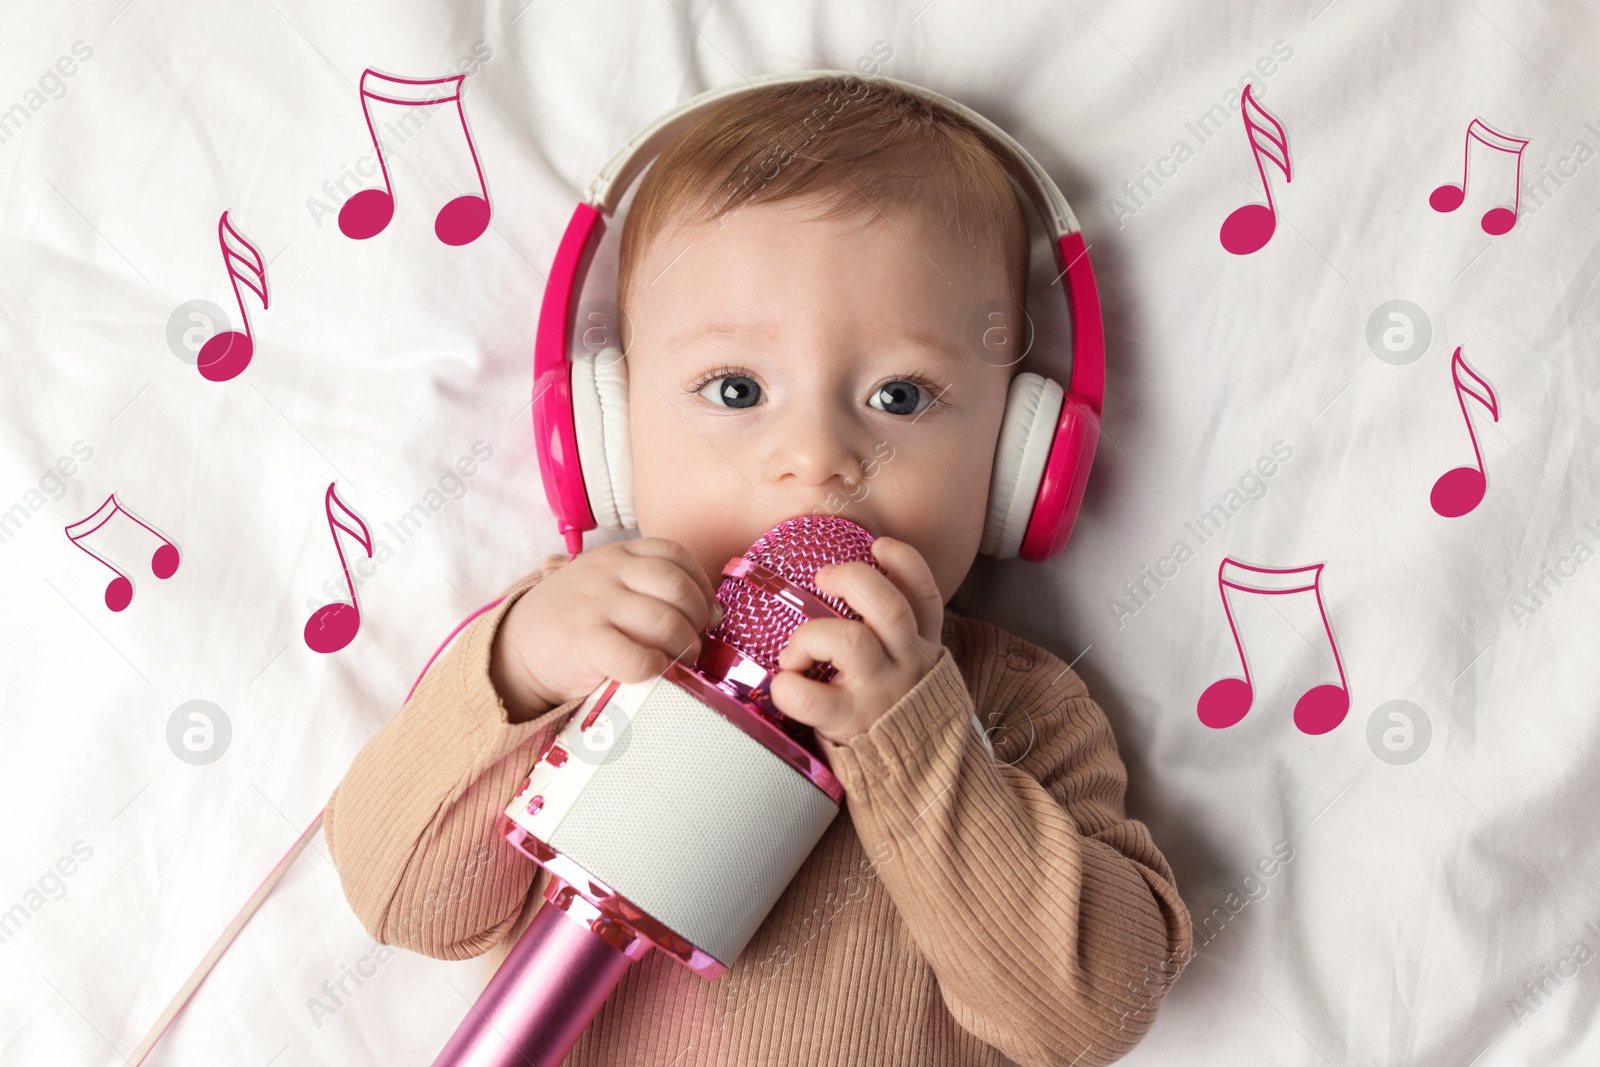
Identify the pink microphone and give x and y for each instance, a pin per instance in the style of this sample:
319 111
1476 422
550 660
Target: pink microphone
601 810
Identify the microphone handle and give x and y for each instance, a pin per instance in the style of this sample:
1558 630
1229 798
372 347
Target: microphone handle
551 985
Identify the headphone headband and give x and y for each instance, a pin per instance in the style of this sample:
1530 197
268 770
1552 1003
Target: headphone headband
605 192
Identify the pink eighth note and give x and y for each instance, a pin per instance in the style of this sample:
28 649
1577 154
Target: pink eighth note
1497 220
333 626
1459 490
119 593
367 213
226 355
1227 700
1248 229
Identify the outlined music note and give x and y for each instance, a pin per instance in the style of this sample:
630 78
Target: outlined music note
119 593
1226 700
365 214
1458 491
1448 197
1249 228
227 354
334 625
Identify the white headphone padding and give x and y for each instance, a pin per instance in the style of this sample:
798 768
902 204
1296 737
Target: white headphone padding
600 419
1033 407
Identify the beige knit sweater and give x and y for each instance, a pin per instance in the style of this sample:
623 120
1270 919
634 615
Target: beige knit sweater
963 908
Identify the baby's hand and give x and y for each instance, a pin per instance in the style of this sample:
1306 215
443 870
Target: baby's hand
624 610
879 659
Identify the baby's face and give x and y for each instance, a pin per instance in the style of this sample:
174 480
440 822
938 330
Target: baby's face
780 366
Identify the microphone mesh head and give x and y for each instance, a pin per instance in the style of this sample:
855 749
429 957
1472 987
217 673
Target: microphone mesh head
760 624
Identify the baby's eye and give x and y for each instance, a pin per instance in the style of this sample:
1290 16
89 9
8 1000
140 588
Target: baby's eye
732 391
901 397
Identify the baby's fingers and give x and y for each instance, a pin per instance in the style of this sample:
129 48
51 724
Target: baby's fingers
821 706
620 657
852 648
668 582
657 624
659 556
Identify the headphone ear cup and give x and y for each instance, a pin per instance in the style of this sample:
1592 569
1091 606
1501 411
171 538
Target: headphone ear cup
1033 409
600 419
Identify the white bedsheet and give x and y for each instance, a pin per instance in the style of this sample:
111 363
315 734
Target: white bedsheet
1440 911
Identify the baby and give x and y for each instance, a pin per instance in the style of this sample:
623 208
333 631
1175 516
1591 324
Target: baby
797 344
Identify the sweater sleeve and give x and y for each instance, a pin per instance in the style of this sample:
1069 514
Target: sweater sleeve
411 826
1053 924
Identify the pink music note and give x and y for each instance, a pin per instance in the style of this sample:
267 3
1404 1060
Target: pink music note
227 354
366 213
1460 490
119 593
1226 701
1249 228
1497 220
333 626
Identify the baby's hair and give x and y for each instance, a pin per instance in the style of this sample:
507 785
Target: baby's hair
854 143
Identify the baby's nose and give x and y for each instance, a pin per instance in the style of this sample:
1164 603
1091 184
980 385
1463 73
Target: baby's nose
816 450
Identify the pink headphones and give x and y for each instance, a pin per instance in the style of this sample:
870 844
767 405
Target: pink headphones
580 405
